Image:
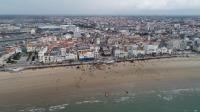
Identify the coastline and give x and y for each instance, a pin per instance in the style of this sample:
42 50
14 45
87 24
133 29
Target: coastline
79 63
43 86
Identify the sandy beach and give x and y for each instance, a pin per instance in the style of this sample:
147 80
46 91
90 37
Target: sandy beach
54 84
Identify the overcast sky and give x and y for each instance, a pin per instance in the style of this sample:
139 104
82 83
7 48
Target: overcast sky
101 7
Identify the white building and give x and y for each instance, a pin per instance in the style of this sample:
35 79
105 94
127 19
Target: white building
120 53
178 26
141 52
72 28
164 50
68 36
33 31
150 49
98 41
41 54
63 51
133 50
174 44
70 56
59 59
48 39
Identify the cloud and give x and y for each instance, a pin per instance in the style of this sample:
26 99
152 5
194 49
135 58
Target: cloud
148 4
99 6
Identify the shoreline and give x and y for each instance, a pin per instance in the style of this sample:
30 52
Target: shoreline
43 86
18 69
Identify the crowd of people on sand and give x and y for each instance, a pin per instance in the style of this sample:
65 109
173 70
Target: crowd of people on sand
89 69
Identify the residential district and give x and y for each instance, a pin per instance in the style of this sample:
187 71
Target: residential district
46 41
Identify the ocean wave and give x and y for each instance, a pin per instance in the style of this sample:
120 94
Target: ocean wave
180 91
88 101
170 94
195 110
58 107
123 99
35 110
166 97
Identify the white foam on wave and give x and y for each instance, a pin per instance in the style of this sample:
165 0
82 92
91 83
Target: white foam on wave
123 99
37 110
179 91
58 107
195 110
166 97
197 89
170 94
86 102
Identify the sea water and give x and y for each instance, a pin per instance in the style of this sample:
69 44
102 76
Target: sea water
175 100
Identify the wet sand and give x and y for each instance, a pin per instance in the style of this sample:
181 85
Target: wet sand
53 85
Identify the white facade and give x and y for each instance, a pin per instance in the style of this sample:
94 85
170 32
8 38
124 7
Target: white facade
98 41
69 27
174 44
164 50
60 59
63 51
141 52
67 36
33 31
70 56
120 53
96 51
48 39
132 50
41 55
151 49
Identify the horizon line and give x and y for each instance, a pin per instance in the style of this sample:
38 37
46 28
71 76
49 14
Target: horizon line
99 14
